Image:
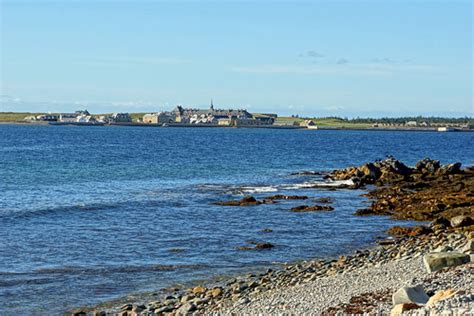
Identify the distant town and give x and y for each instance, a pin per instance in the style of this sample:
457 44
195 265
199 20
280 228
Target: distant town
214 117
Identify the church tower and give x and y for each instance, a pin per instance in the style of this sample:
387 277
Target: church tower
212 106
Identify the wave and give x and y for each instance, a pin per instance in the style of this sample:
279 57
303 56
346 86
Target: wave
258 189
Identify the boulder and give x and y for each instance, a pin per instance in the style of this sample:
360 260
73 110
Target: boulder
186 309
199 290
410 295
435 261
216 292
452 168
246 201
325 200
398 309
307 208
427 165
461 221
440 295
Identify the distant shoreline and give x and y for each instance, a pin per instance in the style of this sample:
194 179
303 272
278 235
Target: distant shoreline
183 125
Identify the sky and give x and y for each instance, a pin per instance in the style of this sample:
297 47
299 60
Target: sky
312 58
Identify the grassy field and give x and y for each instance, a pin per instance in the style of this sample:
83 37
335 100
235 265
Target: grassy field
332 122
15 116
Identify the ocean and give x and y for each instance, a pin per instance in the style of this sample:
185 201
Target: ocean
90 214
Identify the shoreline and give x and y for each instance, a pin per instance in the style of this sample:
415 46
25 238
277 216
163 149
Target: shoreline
283 127
357 283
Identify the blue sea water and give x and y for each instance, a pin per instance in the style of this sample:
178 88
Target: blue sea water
89 214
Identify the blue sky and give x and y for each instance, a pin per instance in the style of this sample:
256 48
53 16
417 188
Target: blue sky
367 58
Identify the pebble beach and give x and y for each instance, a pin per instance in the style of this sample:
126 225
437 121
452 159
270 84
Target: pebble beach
420 270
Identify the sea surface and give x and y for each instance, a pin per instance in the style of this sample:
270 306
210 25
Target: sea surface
89 214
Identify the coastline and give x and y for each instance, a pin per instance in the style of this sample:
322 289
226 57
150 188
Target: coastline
356 283
282 127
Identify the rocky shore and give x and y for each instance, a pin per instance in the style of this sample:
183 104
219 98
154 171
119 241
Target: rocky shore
421 270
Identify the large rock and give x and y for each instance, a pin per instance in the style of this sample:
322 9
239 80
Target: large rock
461 221
452 168
410 295
427 165
435 261
314 208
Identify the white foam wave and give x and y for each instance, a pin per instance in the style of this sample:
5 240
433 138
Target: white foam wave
261 189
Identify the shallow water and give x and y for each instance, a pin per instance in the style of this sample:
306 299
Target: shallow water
93 213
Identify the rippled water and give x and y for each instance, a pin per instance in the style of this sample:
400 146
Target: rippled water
89 214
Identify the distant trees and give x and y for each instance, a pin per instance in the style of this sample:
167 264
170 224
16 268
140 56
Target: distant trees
402 120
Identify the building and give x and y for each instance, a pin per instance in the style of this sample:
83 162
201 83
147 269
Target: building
207 116
82 116
411 123
309 124
121 118
48 117
159 118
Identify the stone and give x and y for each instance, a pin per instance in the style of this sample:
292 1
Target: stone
164 309
246 201
199 290
452 168
427 165
440 295
216 292
306 208
410 295
398 309
186 298
461 221
468 247
435 261
126 307
186 309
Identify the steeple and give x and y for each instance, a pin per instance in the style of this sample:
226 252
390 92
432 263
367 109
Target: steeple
212 105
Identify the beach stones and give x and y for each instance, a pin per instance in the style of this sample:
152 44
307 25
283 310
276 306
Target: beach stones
461 221
435 261
410 295
186 309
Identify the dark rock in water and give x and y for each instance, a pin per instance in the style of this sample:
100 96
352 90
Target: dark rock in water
264 245
324 200
307 208
246 201
461 221
287 197
257 246
453 168
364 212
427 165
